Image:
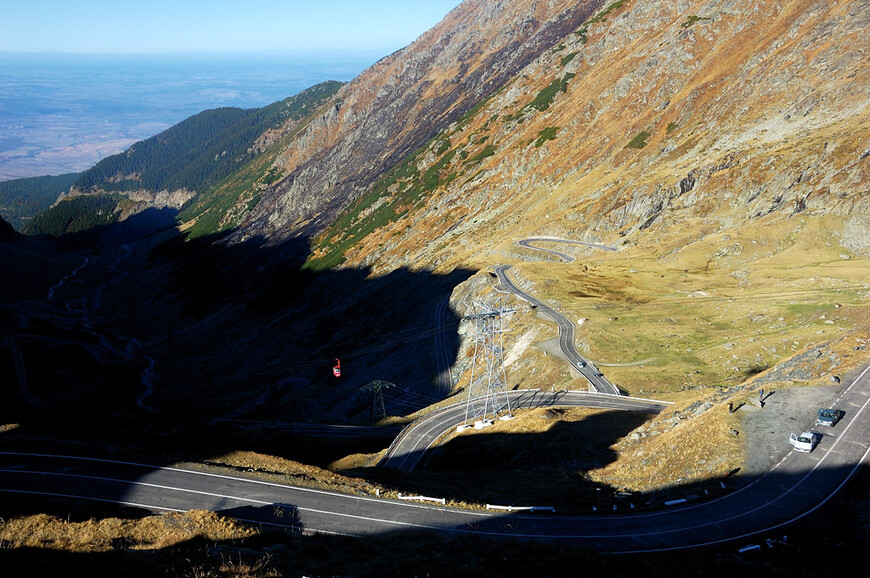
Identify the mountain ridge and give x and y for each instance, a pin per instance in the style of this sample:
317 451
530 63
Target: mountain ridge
478 46
665 130
173 168
619 140
721 147
599 77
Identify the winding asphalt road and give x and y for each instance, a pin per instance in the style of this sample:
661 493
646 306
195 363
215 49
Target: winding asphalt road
585 368
797 486
566 327
415 440
423 434
527 243
109 349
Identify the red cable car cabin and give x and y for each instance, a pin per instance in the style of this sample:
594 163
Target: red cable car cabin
336 371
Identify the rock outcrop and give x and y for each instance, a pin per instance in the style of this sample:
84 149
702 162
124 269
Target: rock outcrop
643 117
397 105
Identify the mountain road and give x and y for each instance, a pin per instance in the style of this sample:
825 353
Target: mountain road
585 368
423 434
797 486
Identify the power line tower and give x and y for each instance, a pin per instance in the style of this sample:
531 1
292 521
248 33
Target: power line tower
377 388
488 391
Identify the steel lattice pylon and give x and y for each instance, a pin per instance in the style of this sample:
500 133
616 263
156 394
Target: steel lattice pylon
377 388
487 391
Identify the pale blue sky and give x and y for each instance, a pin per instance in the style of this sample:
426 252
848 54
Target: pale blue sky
124 26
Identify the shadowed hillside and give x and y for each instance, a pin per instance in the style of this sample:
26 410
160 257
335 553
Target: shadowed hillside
721 148
173 327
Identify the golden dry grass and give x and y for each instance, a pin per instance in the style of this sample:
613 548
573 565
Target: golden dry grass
694 450
713 312
152 532
286 471
683 319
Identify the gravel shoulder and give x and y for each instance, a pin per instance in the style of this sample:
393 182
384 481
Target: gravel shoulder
786 410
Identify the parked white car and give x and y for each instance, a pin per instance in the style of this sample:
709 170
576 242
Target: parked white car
804 442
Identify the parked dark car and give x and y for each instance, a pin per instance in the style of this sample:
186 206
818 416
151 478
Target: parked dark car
829 417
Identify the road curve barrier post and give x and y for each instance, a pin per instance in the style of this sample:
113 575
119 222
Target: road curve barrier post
423 499
521 508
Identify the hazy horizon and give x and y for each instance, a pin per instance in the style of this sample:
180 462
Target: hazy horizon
81 81
62 113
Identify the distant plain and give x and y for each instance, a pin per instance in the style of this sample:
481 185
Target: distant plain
62 113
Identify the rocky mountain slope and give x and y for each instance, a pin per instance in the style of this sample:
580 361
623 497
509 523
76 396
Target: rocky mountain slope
646 116
723 146
598 120
401 102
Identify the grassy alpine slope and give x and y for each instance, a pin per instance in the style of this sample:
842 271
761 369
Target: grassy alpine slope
721 147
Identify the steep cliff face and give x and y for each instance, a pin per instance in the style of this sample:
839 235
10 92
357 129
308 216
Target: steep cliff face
643 118
397 105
